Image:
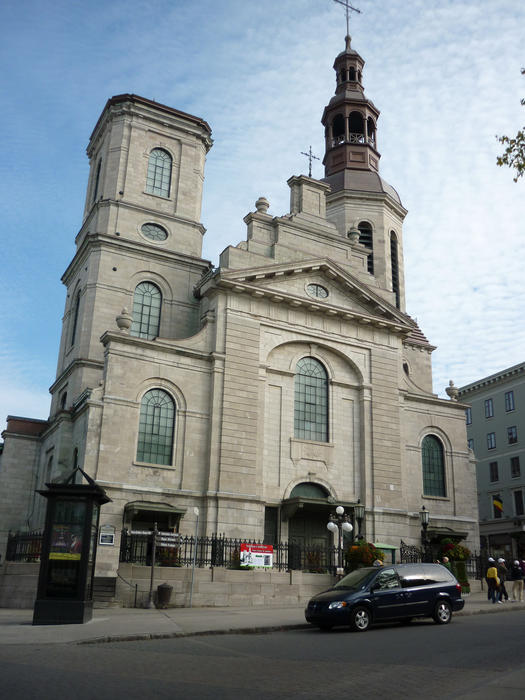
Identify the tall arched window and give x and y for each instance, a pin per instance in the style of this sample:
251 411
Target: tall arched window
311 400
366 238
74 323
97 180
156 425
433 466
147 302
394 261
159 173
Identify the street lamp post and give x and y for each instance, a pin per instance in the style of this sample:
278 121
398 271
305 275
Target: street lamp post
424 517
359 513
339 523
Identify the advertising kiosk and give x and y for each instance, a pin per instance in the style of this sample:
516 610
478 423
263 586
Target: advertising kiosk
69 547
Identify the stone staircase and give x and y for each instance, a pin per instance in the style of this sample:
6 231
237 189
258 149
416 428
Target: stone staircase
104 592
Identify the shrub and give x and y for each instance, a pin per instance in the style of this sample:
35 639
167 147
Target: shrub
453 550
362 554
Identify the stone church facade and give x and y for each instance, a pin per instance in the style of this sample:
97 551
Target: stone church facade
266 391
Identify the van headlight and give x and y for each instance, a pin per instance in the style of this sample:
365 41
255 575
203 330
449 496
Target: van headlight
337 604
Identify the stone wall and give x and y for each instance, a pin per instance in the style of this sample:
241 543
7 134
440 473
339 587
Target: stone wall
219 587
211 588
18 584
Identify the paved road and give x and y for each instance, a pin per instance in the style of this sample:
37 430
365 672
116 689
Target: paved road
481 656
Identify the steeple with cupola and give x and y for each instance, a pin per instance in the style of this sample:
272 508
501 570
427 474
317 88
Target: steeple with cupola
362 205
350 118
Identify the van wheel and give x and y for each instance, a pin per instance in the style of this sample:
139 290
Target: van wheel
442 613
360 619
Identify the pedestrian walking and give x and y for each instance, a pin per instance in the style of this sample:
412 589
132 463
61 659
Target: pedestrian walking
516 576
492 581
502 575
490 562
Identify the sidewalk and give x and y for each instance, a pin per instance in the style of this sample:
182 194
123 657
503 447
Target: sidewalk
126 624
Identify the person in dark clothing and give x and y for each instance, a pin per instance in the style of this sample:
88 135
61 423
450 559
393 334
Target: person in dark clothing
502 575
516 576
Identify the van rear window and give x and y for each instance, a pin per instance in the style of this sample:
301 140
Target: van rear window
424 575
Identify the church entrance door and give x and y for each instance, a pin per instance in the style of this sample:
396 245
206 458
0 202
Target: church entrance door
309 530
308 542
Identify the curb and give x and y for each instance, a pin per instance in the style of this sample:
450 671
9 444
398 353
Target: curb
262 630
200 633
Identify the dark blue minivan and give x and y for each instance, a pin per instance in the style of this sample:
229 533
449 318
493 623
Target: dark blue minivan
394 592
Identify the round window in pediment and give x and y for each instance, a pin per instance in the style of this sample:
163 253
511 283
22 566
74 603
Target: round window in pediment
317 291
154 232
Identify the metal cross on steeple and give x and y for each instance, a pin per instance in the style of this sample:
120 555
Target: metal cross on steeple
348 7
310 157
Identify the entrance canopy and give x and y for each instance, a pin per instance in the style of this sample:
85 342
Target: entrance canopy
310 498
149 512
438 533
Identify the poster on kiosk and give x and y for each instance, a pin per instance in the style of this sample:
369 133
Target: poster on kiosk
260 555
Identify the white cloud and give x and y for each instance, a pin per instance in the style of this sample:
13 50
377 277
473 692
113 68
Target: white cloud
260 73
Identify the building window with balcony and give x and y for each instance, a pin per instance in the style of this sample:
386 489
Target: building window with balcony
512 435
491 441
468 416
489 408
509 401
493 469
518 502
515 469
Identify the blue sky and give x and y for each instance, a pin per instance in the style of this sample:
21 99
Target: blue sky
444 73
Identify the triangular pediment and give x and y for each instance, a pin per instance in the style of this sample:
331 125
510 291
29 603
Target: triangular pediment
314 284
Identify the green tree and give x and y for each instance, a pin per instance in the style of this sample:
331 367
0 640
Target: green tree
514 153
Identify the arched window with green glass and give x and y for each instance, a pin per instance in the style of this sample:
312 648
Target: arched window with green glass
158 180
147 302
433 466
311 400
156 427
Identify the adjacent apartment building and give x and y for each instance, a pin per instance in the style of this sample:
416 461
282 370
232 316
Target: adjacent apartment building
496 434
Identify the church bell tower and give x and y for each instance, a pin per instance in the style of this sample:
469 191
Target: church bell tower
362 205
350 119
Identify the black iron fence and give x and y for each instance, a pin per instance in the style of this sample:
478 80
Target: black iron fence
24 546
413 554
410 554
217 550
